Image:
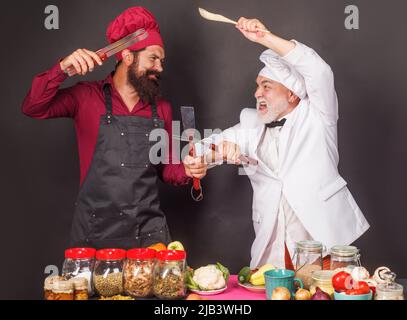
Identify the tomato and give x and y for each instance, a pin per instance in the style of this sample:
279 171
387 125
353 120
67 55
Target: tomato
362 286
342 281
354 292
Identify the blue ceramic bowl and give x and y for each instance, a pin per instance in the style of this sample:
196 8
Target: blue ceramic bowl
340 296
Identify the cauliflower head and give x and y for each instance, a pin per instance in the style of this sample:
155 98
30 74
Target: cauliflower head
209 278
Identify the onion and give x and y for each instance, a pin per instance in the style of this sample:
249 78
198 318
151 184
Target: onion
303 294
281 293
320 295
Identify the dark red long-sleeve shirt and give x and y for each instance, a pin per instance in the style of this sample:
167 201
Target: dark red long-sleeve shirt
85 103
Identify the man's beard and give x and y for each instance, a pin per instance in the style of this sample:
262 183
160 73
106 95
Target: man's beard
273 112
148 89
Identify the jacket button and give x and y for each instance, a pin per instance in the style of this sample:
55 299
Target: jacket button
122 134
136 238
122 164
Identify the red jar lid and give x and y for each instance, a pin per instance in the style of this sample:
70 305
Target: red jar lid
171 255
111 254
80 253
141 254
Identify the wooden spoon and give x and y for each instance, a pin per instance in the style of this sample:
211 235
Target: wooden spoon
217 17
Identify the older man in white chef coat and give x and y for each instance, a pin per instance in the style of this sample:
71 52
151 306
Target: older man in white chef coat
298 192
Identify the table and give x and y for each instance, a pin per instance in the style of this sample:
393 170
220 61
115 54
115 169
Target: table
236 292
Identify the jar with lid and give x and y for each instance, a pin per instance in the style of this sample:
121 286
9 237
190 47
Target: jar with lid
80 287
108 272
323 279
138 272
79 262
307 258
390 290
343 256
48 285
169 275
62 290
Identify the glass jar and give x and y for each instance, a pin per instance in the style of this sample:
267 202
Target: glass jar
389 290
169 275
323 280
138 272
48 285
80 287
343 256
79 262
108 272
308 258
62 290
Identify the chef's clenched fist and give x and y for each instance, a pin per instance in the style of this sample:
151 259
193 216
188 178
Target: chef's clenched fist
227 151
82 60
195 167
250 28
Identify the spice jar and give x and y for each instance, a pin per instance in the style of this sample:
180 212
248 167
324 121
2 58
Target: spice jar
79 262
80 287
138 272
48 285
169 275
62 290
308 258
389 290
108 272
343 256
323 279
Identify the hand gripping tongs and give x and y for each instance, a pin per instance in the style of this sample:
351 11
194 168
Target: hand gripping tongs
115 47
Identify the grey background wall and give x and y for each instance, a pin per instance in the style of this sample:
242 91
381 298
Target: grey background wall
212 67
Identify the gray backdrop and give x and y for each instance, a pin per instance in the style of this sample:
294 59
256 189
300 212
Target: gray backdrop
212 67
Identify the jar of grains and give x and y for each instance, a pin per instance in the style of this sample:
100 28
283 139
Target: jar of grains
108 272
169 275
308 258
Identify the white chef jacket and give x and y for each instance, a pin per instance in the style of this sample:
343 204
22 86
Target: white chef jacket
288 228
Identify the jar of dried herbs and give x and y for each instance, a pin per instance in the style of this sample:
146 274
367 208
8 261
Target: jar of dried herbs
108 273
169 275
138 272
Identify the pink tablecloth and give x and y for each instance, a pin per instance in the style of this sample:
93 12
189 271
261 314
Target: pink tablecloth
235 292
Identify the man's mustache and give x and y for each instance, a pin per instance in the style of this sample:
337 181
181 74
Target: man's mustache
153 73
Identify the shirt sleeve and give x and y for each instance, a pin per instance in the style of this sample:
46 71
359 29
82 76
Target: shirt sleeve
45 100
173 170
319 80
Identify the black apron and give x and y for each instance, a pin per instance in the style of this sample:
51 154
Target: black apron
118 203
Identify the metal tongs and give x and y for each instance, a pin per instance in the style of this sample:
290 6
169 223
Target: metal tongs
115 47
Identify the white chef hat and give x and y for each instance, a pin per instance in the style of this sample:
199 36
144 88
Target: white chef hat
279 70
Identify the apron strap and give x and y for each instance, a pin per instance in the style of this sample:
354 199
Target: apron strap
109 112
154 115
108 102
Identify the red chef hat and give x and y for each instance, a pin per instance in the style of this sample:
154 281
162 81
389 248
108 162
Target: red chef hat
130 21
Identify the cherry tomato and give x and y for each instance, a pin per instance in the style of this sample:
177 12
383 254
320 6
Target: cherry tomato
342 281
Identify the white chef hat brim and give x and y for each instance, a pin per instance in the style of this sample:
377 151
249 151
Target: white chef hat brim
279 70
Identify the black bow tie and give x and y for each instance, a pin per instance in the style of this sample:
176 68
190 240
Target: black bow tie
276 124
